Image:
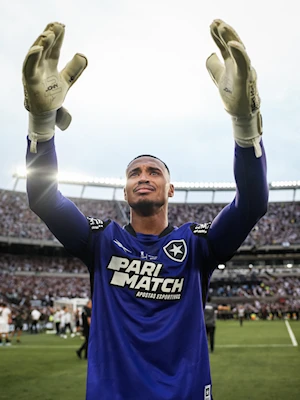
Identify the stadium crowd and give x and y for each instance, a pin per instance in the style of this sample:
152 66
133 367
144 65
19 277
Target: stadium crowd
11 263
19 289
281 224
17 220
31 279
25 280
38 273
259 288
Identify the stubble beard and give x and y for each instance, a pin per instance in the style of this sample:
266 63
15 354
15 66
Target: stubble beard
145 207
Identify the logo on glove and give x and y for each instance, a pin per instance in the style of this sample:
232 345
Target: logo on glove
51 86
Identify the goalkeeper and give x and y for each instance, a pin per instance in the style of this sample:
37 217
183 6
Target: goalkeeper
149 280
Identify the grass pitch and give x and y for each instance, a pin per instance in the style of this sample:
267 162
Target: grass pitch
259 361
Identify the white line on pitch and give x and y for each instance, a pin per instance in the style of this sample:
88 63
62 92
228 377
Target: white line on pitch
50 347
253 345
25 346
291 333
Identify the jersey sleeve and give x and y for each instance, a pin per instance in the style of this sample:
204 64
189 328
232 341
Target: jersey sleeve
233 224
61 215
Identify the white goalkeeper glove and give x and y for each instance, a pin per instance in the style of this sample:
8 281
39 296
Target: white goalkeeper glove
236 81
45 88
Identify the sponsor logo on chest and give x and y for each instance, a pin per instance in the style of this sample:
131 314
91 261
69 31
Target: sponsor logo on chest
144 278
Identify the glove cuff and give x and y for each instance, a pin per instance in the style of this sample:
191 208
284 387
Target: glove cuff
247 132
41 128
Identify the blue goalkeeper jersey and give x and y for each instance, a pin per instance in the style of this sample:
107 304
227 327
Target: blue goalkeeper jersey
147 336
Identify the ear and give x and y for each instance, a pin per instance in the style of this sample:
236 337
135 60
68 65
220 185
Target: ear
125 194
171 190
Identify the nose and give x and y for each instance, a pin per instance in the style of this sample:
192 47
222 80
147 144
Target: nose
143 179
143 176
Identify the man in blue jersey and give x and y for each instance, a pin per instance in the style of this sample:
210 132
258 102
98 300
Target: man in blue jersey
149 280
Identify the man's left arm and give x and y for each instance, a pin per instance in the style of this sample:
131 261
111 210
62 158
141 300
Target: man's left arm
233 224
236 80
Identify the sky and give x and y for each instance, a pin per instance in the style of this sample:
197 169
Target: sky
146 88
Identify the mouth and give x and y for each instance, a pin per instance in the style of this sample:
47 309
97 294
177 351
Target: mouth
143 189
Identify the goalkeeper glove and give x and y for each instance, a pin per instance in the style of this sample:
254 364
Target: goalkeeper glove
236 81
45 88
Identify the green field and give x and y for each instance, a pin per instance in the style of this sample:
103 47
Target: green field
253 362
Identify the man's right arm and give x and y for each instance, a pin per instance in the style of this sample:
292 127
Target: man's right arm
45 89
62 217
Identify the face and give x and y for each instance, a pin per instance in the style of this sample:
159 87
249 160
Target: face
148 185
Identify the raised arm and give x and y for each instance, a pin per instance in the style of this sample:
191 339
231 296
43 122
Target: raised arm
236 81
233 224
45 90
62 217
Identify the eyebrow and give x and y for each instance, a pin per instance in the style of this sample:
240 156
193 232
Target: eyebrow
151 156
138 169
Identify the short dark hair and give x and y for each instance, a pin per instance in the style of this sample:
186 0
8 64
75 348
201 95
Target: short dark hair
149 155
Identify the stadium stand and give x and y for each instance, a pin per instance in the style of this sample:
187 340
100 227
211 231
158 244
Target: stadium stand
281 224
264 275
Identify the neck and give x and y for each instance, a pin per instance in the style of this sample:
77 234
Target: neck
150 225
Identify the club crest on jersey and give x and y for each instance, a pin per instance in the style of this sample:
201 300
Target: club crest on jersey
176 250
201 229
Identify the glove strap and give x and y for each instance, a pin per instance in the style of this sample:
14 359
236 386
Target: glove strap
63 118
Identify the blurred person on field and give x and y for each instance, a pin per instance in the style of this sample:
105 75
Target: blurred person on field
78 321
35 317
210 315
57 319
18 319
86 322
5 321
67 322
241 313
62 321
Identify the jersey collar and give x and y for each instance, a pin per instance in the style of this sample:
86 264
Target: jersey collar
165 232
